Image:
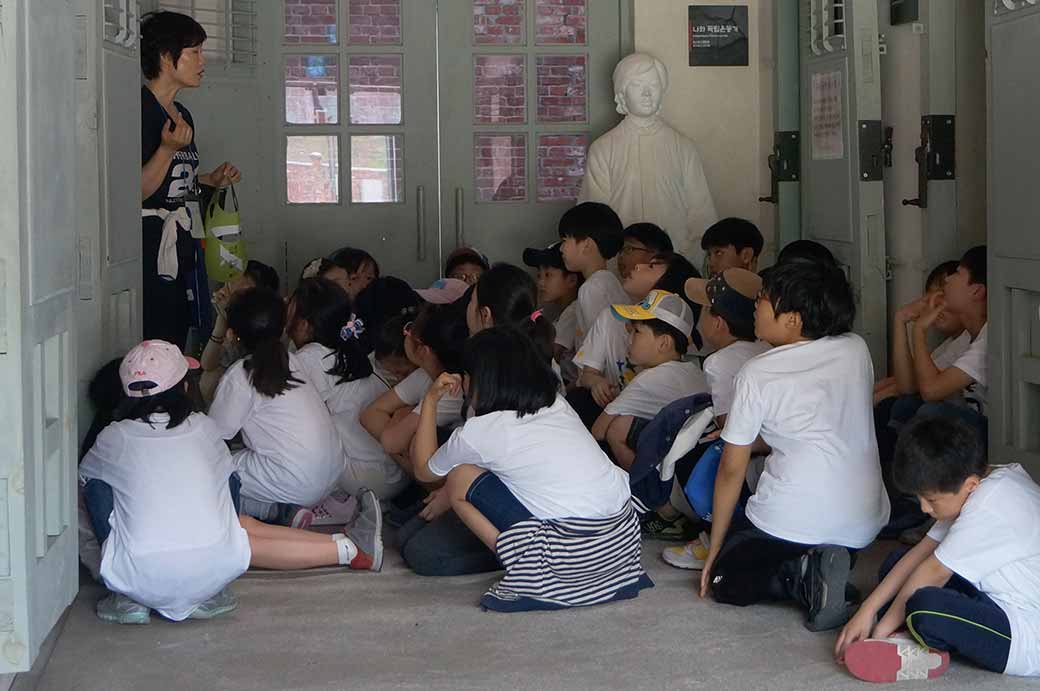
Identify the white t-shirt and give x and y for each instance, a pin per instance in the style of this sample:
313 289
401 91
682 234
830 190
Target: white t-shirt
176 540
566 326
292 453
656 387
548 460
994 544
947 352
599 291
413 389
721 369
811 402
605 348
345 402
973 363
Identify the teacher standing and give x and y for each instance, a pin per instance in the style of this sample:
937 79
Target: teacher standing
171 60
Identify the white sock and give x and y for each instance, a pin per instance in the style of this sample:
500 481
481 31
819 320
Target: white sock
346 550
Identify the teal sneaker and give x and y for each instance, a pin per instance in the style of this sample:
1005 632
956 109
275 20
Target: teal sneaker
656 527
119 609
223 602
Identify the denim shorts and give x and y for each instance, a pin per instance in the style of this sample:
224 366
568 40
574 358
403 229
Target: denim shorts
493 499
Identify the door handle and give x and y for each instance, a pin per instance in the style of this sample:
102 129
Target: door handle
774 184
921 156
420 223
460 230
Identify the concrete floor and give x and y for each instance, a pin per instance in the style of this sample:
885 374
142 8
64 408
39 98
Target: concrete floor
341 630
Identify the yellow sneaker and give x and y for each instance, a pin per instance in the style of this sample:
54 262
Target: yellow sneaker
689 556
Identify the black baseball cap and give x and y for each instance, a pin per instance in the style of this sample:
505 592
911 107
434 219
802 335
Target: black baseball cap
730 294
550 256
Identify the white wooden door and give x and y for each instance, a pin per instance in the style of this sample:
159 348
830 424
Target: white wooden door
842 159
38 566
1013 43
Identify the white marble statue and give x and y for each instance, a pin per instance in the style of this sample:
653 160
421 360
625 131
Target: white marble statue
646 170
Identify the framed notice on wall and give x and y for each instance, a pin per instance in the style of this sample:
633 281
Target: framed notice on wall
718 36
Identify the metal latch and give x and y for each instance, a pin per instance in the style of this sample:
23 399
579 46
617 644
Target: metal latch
785 163
936 159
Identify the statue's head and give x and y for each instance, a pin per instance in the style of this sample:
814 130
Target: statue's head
640 82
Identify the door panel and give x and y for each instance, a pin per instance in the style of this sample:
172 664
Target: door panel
525 87
842 198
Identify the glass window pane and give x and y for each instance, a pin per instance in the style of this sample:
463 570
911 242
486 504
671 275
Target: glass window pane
561 88
310 21
377 168
499 89
561 22
311 89
375 89
561 166
500 167
498 22
374 22
312 170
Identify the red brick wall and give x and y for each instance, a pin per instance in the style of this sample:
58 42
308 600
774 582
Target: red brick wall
561 166
375 22
378 158
500 167
499 89
561 88
561 21
375 89
498 22
310 95
312 169
310 21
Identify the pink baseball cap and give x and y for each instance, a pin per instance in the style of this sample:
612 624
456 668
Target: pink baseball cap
444 291
152 367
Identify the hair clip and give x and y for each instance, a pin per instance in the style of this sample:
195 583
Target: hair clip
534 315
352 329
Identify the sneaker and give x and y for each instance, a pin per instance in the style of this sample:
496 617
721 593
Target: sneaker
657 527
221 603
367 533
335 510
119 609
824 575
293 516
898 658
689 556
911 536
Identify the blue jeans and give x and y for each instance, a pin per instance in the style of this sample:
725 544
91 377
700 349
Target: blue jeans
98 497
957 618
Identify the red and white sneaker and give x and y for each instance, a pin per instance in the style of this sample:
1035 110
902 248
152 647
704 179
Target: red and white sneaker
336 509
897 658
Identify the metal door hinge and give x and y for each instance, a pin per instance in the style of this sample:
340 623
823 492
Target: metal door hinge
784 163
871 151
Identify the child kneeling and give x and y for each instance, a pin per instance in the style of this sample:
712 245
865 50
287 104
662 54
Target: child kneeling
529 480
160 489
972 586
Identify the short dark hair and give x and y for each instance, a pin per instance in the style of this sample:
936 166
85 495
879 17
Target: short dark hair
662 328
443 328
806 251
674 280
263 275
939 273
389 339
106 388
465 255
652 236
175 402
974 260
738 232
819 293
511 295
593 220
352 259
257 316
506 372
167 33
742 331
937 453
383 299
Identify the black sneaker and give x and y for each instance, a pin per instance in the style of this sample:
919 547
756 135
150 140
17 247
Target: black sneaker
656 527
824 577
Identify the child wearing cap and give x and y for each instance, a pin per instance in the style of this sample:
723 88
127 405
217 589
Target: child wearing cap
661 328
591 234
466 264
160 489
559 287
732 243
820 494
443 291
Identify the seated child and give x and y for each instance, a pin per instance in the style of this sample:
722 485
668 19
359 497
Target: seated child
661 327
327 337
805 251
972 586
732 243
292 455
505 478
507 296
160 490
466 264
354 270
821 493
639 243
558 286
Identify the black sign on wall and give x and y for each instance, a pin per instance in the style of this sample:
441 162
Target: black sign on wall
718 35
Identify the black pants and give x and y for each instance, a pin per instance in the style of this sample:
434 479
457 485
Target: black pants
166 313
444 547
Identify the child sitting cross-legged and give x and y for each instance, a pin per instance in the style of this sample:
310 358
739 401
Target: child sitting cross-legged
661 327
161 491
820 494
971 587
526 477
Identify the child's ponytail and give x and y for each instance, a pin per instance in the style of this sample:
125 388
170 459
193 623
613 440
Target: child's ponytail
257 318
511 295
325 307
